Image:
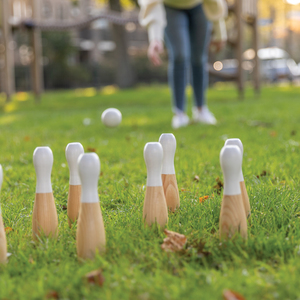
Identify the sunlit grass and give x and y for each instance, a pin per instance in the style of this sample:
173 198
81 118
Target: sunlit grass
267 266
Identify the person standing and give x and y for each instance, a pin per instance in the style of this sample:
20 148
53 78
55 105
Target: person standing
186 26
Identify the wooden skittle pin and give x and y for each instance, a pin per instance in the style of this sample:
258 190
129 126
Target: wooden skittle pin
155 207
168 142
44 216
238 143
73 151
3 244
232 216
90 228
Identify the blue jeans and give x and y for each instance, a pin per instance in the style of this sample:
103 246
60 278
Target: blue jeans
187 37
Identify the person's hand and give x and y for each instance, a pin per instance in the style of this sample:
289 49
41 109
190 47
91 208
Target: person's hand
154 51
217 46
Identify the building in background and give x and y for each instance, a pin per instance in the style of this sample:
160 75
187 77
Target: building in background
87 57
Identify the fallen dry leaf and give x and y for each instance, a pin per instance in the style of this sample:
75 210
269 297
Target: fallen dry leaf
90 149
262 174
64 207
196 178
203 198
174 241
8 230
232 295
95 277
52 295
218 187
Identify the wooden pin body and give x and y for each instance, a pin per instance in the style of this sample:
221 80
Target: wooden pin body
155 206
245 199
44 215
232 217
3 244
171 191
90 231
73 203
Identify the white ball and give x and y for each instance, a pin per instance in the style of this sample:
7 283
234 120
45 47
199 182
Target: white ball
111 117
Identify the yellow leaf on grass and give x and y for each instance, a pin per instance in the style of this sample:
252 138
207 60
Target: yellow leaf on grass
203 198
22 96
8 230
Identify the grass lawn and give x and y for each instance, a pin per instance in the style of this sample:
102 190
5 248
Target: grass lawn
267 266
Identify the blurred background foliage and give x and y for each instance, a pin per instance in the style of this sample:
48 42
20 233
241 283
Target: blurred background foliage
126 4
59 72
106 54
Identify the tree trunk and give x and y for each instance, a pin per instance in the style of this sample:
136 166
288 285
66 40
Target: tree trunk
125 76
9 66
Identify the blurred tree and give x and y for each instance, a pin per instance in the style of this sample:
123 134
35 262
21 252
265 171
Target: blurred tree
59 72
125 76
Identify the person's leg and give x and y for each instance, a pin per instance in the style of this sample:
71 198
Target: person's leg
200 31
178 44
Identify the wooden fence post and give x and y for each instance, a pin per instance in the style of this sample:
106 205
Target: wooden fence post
8 72
36 66
1 50
239 48
256 71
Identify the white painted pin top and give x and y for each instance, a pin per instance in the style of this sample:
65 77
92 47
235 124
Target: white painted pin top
89 171
231 164
73 151
168 142
153 155
43 161
237 142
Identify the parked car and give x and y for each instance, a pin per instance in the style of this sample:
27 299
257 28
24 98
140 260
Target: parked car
275 64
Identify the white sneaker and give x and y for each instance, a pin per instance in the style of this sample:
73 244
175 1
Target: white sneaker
180 120
204 116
